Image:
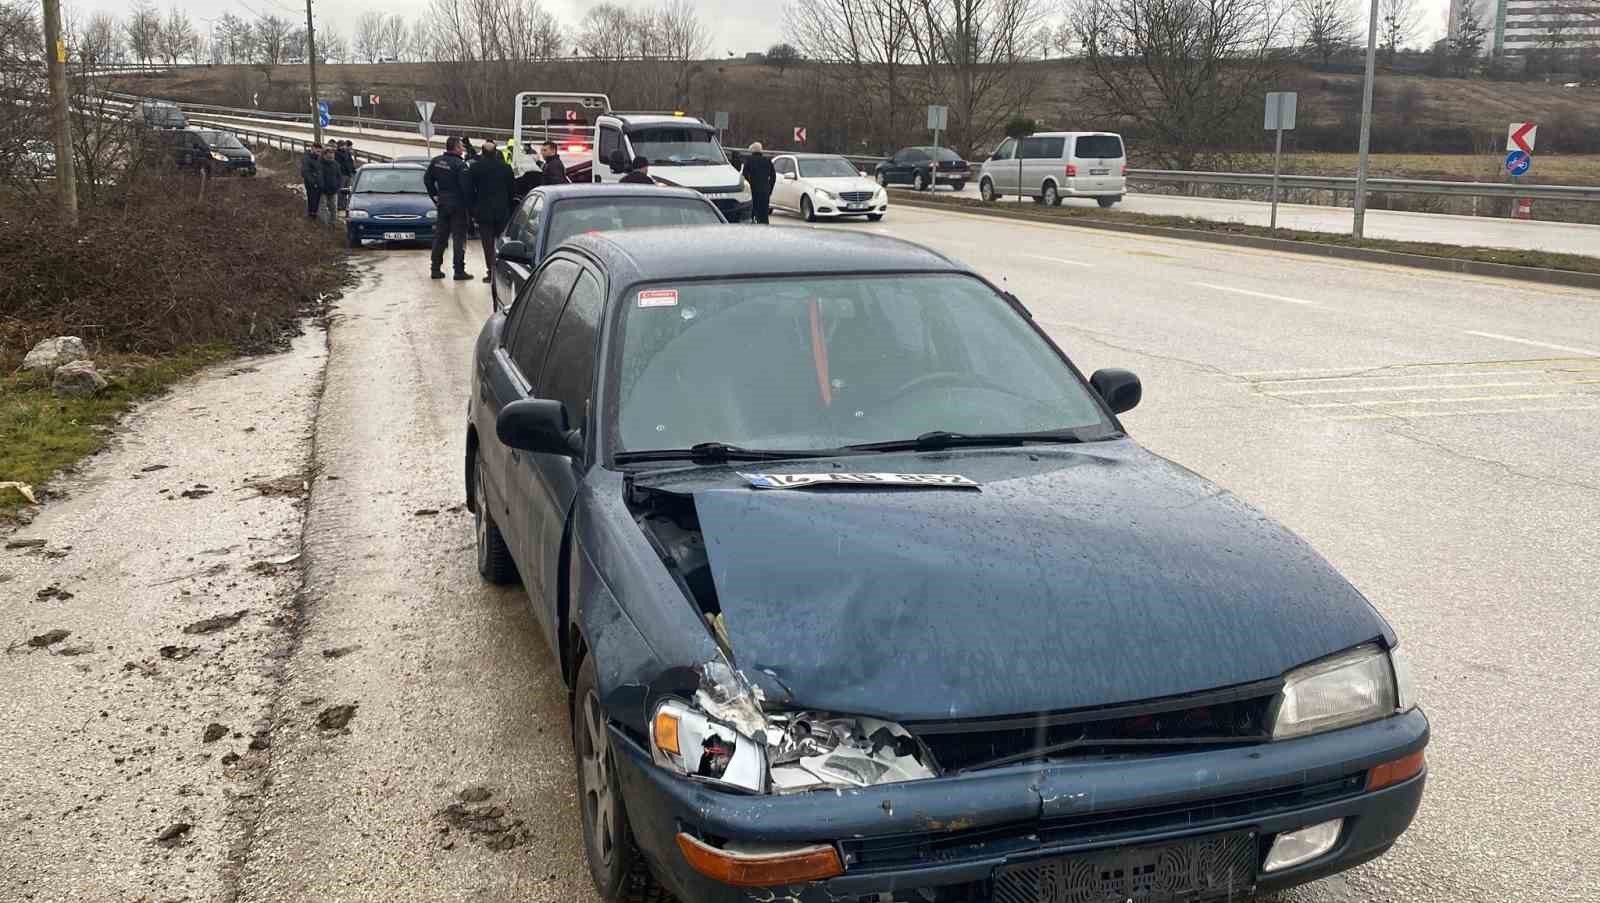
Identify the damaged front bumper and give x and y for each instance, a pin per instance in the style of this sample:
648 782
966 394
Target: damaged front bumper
946 837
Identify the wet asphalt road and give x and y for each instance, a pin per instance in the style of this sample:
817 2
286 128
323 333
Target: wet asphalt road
1431 435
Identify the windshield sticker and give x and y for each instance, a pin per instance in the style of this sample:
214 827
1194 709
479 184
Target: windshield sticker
801 480
659 297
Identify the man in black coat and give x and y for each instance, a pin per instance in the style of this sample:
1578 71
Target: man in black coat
448 185
347 170
639 173
328 175
311 178
491 179
762 177
555 172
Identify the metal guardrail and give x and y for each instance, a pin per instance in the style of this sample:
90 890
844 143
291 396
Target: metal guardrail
271 139
1393 186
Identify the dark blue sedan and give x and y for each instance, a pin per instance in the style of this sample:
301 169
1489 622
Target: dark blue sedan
860 588
389 203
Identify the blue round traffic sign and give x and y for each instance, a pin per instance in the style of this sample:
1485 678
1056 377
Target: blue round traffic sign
1517 162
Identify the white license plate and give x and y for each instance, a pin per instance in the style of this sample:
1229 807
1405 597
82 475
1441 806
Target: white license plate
858 206
399 236
1099 172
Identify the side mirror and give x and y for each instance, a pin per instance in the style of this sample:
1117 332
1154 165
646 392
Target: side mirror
537 425
1120 388
513 250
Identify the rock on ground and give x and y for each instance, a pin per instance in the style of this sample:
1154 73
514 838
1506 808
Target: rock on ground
49 354
78 379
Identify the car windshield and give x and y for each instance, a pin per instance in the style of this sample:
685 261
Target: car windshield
401 180
574 217
221 140
676 145
823 362
827 168
1100 147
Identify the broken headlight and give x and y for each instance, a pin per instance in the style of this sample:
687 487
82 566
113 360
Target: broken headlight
684 740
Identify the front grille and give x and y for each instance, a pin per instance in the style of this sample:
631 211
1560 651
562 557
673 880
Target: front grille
966 745
855 197
398 217
1222 867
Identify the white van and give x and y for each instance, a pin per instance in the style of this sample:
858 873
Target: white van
1050 166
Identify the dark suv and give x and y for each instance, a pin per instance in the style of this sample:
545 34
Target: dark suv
213 152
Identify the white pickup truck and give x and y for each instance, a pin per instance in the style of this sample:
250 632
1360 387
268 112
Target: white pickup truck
597 143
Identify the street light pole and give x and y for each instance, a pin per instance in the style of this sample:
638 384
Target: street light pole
55 53
311 57
1366 121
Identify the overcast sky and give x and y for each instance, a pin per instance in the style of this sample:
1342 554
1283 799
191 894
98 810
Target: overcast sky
735 25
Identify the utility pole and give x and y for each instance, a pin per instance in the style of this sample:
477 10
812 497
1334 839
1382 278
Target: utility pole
1366 122
55 53
311 57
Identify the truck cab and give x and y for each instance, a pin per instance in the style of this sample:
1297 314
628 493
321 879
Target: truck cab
597 143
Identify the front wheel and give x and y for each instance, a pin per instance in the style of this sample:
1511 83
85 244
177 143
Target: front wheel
883 180
1108 203
986 191
807 212
959 184
619 870
920 182
874 217
494 557
1051 197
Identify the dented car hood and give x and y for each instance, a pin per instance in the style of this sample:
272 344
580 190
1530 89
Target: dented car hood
1071 578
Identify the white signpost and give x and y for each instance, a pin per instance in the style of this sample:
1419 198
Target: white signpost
355 101
1280 116
938 121
425 127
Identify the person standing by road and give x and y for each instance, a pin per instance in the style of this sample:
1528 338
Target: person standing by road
555 172
329 176
490 178
448 185
347 170
639 173
762 177
311 178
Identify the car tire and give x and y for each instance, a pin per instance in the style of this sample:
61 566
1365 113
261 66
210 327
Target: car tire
807 212
920 182
1051 197
621 874
874 217
883 180
1109 202
494 556
959 185
986 191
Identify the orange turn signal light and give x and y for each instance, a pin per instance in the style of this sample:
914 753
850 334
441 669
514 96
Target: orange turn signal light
1394 772
666 731
761 869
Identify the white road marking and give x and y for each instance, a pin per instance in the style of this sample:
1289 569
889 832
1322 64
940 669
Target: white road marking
1468 398
1350 390
1475 412
1245 291
1512 338
1414 375
1070 263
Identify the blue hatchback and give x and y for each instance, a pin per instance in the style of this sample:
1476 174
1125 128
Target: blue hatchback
389 203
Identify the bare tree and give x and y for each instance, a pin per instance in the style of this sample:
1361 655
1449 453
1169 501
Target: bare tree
781 57
973 53
332 45
528 31
232 38
1327 27
1189 74
143 31
177 38
607 35
101 41
274 40
866 50
683 41
369 36
1397 25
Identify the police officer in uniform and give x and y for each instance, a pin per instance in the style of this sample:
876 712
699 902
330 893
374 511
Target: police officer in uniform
446 181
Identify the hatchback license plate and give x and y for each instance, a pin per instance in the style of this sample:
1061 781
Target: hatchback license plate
1219 867
1099 172
399 236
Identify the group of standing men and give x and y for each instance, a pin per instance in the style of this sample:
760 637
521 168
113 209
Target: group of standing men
326 172
481 192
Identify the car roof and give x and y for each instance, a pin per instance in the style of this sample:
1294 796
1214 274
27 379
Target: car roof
557 193
1069 134
721 251
394 166
656 119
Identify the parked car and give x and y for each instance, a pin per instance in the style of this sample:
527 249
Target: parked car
549 216
861 589
923 168
418 158
388 202
826 185
159 114
213 152
1051 166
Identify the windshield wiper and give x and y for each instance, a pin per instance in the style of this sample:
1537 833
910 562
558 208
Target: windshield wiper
713 453
938 439
1052 749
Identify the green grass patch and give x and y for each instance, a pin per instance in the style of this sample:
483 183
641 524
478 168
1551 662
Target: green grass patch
1575 263
40 433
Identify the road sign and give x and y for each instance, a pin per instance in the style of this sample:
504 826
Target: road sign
1518 162
374 100
322 114
938 118
799 134
425 110
355 101
1520 136
425 129
719 120
1280 110
255 100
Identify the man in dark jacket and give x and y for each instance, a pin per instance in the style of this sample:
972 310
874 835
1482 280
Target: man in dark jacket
328 187
448 185
347 170
762 177
639 173
555 172
491 179
311 178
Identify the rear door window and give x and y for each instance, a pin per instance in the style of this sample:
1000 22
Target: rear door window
535 317
1099 147
1042 148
